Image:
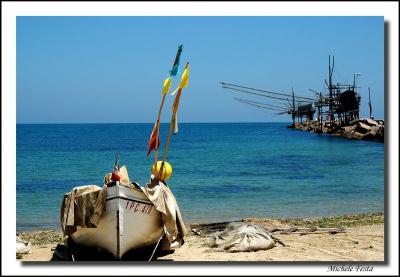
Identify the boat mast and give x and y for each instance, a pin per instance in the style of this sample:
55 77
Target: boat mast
116 163
369 103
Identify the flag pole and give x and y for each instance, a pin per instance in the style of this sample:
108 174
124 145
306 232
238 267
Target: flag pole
158 127
175 64
175 107
171 125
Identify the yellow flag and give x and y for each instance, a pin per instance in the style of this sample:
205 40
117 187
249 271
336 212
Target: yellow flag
185 77
167 85
184 80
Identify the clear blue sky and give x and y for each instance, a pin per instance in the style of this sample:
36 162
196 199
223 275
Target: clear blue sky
111 69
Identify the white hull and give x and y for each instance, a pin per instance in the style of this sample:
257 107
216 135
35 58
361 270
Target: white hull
129 222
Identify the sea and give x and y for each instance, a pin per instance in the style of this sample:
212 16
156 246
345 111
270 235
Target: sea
221 171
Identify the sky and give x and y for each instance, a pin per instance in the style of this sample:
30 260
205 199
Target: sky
111 69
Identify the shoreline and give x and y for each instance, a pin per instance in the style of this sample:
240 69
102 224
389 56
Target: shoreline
320 221
359 129
363 240
299 219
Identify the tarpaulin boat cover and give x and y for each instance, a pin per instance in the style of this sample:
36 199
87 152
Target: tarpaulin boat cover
242 237
84 206
164 201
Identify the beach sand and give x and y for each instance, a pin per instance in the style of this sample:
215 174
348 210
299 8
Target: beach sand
363 240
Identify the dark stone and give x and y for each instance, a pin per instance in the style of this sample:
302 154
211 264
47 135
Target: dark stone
369 136
362 128
369 121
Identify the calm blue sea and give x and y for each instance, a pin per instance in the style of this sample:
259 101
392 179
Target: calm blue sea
220 171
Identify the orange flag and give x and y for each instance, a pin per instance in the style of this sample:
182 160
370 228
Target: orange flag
153 138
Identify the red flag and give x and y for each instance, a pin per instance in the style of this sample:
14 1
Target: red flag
153 139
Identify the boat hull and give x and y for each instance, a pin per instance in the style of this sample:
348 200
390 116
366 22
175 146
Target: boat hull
129 222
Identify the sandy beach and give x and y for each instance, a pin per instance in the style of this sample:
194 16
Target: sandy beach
361 240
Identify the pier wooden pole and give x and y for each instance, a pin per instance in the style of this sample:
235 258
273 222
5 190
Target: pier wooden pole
369 103
293 113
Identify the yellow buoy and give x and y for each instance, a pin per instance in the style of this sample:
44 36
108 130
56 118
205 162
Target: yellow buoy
166 172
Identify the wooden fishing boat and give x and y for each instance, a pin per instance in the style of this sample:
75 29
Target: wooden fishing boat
129 222
134 217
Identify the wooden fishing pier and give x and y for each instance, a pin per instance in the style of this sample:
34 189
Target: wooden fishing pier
338 108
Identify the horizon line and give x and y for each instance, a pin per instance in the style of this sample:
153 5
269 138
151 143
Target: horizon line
225 122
